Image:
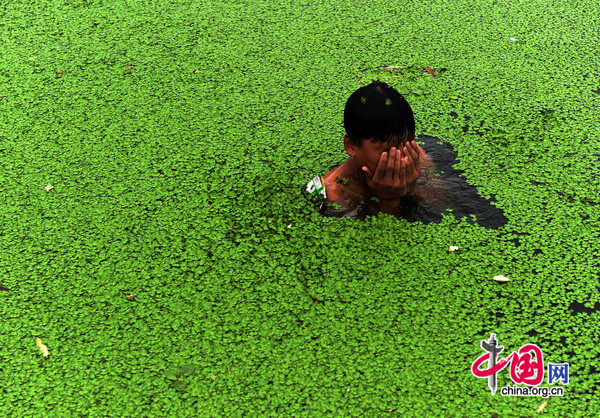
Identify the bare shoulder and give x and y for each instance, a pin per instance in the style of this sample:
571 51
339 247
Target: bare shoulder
342 189
333 190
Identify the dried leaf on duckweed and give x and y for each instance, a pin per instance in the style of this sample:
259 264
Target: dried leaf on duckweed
430 71
452 248
541 407
434 71
43 348
49 187
501 279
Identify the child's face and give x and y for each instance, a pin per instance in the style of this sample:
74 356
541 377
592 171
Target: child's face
369 151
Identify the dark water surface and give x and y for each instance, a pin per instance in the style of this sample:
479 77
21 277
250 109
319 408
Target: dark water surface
462 198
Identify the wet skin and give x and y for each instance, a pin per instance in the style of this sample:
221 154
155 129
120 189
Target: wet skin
387 171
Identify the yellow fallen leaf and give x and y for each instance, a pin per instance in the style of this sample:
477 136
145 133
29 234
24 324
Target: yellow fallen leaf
541 407
501 279
49 187
452 248
43 348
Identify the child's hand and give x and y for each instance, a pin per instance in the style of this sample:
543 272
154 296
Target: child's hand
396 174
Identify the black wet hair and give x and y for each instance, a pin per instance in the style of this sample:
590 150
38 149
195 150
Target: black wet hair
377 111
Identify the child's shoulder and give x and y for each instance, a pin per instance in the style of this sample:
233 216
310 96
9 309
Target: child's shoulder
336 180
334 189
325 185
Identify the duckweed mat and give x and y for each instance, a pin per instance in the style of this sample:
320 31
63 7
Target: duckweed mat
158 257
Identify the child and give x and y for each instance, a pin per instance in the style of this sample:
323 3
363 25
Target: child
384 161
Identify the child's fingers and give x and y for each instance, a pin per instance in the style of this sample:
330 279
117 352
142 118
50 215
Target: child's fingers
368 173
406 166
398 164
380 170
413 149
391 165
415 169
417 160
413 156
413 162
399 167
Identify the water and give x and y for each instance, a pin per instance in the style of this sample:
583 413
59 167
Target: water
462 198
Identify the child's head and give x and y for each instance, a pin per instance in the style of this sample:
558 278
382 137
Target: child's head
378 112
